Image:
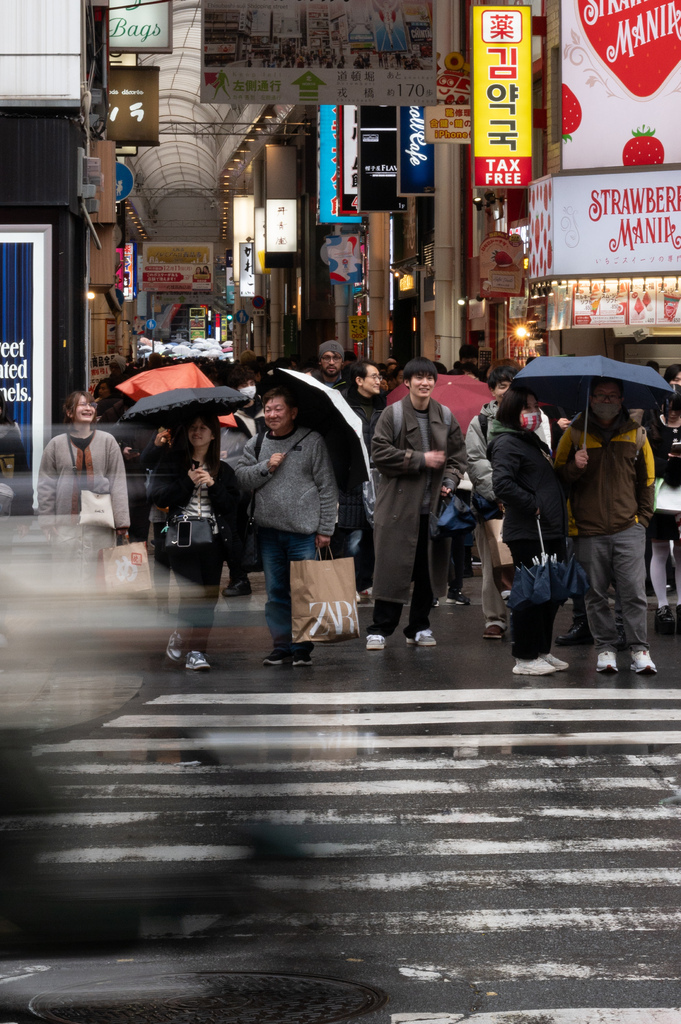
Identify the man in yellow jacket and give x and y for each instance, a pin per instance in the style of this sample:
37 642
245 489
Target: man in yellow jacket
609 476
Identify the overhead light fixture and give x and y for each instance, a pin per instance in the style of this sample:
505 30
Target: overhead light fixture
478 203
462 301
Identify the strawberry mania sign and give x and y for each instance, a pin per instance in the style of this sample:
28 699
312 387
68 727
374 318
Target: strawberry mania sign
621 225
621 74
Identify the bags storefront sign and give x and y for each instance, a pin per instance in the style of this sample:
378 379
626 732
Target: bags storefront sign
177 268
309 51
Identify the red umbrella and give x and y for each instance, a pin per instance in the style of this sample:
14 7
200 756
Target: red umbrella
169 378
464 395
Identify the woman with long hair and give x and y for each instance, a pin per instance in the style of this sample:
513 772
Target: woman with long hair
81 458
201 496
523 478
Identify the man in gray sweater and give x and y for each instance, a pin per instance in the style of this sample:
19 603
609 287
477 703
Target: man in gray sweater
296 501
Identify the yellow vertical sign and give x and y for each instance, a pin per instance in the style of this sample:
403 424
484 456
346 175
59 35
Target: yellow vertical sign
358 328
502 96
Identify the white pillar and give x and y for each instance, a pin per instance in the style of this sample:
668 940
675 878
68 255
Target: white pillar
341 299
379 285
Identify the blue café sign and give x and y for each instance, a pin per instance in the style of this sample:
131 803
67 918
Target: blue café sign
416 156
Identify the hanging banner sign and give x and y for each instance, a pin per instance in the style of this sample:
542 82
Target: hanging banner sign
378 160
246 270
621 77
348 160
502 96
328 167
141 27
454 80
501 265
308 51
416 162
281 225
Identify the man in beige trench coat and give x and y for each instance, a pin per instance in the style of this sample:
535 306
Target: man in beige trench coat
419 450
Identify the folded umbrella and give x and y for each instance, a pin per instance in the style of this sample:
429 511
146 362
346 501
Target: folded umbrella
546 580
326 411
182 405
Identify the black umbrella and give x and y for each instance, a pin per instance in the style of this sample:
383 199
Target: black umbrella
326 411
172 408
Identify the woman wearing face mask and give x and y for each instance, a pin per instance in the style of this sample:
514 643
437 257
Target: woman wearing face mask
523 479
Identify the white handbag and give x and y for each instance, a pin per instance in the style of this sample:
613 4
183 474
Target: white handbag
96 510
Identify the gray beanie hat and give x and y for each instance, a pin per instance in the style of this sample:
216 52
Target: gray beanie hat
330 346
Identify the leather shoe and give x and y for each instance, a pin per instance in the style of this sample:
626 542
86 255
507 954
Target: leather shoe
493 632
578 633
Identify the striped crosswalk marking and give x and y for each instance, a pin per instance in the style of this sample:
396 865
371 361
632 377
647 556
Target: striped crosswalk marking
523 695
592 1015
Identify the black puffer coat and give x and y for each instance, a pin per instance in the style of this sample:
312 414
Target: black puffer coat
524 479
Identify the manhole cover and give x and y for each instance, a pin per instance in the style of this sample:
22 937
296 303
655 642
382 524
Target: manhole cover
210 998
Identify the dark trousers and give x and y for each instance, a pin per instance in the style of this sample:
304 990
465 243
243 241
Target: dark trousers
357 544
387 613
533 627
198 573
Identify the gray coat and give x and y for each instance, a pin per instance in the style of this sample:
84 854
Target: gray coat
401 462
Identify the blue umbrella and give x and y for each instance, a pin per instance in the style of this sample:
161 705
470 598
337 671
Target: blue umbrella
568 381
546 579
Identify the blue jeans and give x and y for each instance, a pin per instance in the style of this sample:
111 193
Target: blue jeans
279 549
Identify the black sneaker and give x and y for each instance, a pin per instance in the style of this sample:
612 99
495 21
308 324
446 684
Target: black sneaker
664 621
277 657
456 597
242 588
578 633
302 658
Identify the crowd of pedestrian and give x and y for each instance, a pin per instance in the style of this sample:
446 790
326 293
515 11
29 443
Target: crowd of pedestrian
540 482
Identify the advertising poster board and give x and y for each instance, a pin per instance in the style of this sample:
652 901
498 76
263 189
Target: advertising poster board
621 77
25 332
177 268
378 161
307 51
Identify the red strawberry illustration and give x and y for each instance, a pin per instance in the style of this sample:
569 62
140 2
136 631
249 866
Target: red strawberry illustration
549 255
501 258
643 148
572 113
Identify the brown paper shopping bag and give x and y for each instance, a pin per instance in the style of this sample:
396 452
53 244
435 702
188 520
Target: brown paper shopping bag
323 600
126 569
502 559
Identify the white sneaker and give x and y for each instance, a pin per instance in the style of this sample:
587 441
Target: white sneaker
196 661
364 596
535 667
375 642
642 662
559 665
607 662
424 638
174 649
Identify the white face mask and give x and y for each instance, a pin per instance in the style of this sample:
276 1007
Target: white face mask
249 391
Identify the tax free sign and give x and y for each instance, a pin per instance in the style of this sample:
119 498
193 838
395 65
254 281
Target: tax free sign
502 96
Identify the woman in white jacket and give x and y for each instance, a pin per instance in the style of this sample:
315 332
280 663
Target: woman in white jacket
82 458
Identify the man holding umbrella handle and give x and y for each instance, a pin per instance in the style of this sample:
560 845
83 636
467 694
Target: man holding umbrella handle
608 468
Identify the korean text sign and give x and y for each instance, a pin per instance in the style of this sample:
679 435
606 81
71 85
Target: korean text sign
502 96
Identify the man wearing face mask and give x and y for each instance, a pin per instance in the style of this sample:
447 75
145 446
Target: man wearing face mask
610 478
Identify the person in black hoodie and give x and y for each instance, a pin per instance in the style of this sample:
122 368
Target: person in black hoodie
353 535
524 480
194 485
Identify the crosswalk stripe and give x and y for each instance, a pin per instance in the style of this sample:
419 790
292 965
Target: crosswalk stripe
364 697
401 718
383 848
341 740
377 787
425 922
333 816
584 1015
413 880
546 969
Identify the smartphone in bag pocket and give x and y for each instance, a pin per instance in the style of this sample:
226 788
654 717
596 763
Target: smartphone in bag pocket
184 534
